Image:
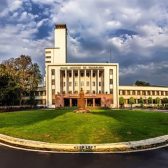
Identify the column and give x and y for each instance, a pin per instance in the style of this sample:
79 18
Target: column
66 82
91 76
85 102
78 81
72 73
93 102
70 102
97 82
85 81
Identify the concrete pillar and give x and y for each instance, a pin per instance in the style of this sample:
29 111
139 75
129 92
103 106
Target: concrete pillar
78 81
66 82
97 82
85 102
91 76
72 73
70 102
84 80
93 102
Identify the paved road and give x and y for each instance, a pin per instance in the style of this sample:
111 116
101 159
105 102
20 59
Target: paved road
12 158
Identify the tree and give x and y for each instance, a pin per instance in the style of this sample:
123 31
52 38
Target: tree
8 91
141 101
26 74
158 101
121 102
150 100
131 101
142 83
164 101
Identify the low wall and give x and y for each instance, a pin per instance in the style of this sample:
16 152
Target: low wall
107 147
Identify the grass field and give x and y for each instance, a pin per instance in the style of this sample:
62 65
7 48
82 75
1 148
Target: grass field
98 126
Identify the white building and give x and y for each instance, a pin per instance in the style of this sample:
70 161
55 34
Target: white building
99 81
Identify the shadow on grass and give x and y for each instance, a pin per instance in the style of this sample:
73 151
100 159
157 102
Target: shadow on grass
17 119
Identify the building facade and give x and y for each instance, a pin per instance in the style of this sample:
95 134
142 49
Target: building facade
99 81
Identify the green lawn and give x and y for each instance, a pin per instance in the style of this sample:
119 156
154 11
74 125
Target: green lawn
98 126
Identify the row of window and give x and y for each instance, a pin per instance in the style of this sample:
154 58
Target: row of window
88 74
76 92
143 92
145 101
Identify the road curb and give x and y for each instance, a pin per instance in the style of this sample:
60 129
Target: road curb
106 148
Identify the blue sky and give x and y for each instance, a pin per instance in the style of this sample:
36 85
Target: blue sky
135 31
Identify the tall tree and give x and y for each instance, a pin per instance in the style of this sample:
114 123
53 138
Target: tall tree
131 101
121 102
141 101
25 74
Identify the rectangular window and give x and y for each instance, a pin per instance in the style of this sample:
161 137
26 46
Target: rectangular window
53 91
111 72
94 74
138 92
53 81
48 52
52 71
48 56
70 74
99 83
63 83
76 83
87 74
82 83
82 74
111 91
94 84
111 81
70 83
76 74
87 83
133 92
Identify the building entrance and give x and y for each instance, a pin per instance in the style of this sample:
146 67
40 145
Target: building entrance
66 102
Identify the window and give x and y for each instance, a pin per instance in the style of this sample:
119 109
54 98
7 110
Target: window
48 52
111 91
70 74
111 81
128 92
100 74
82 74
111 72
53 91
70 83
94 92
99 83
53 101
76 74
76 83
87 83
52 71
94 74
94 84
99 91
133 92
82 83
63 83
53 81
138 92
87 74
48 56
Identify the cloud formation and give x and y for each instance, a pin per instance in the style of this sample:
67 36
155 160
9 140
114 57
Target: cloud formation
131 32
